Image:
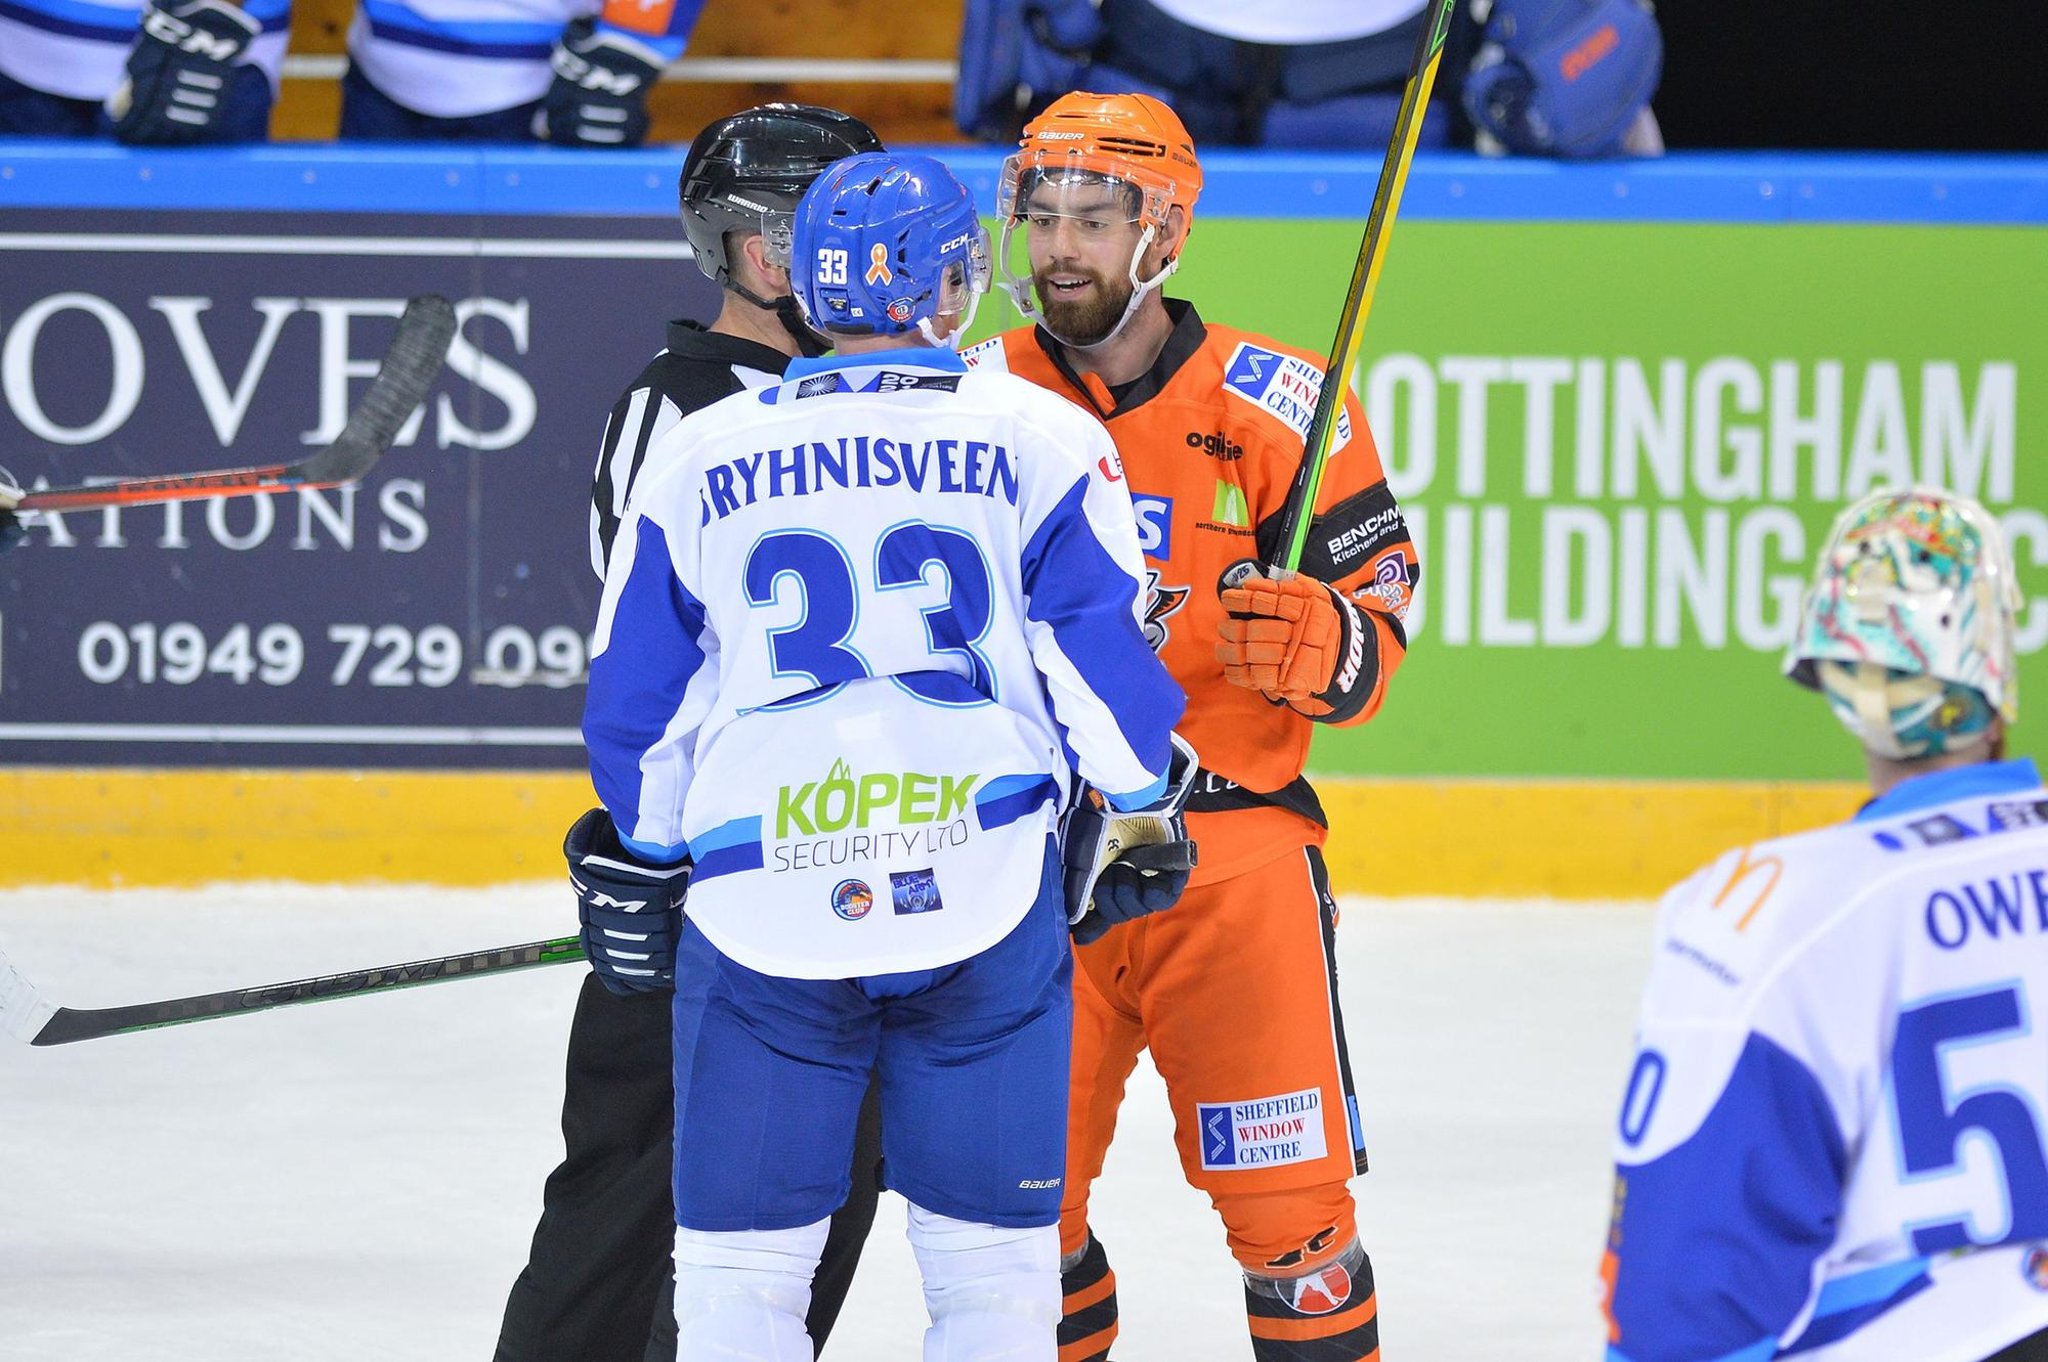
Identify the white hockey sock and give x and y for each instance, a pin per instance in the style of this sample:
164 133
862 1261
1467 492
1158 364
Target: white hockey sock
993 1293
741 1295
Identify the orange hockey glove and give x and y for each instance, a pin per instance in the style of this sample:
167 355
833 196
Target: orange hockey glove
1300 644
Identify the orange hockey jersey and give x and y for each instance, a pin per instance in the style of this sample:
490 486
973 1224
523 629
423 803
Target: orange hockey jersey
1210 439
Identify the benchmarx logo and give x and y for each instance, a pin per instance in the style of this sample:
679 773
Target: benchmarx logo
1263 1132
844 800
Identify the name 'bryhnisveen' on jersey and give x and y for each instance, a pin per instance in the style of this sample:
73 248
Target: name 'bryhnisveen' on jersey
860 628
974 467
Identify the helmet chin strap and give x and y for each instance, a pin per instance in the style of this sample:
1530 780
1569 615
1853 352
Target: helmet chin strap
1021 295
808 342
951 340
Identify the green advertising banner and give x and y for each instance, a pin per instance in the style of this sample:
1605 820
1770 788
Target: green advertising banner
1621 446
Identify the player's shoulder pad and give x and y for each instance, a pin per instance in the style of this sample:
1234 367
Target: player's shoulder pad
1074 439
1278 381
683 445
1730 928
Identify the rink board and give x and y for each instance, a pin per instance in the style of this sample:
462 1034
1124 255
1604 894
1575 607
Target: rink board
1620 404
1463 837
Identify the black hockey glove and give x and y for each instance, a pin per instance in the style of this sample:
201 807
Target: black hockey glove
599 95
1120 866
632 911
178 72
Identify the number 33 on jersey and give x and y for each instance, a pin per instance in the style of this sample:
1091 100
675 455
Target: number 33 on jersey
852 660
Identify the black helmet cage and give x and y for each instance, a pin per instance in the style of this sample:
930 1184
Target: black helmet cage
745 174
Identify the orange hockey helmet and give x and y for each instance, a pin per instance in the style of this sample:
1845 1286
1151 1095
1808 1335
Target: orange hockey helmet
1134 138
1132 141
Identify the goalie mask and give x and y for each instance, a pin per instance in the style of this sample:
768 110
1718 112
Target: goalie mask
1101 162
1908 626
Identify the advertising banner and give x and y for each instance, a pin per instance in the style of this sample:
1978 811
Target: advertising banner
436 614
1620 445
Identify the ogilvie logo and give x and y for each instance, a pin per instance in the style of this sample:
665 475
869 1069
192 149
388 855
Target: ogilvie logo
843 800
1215 446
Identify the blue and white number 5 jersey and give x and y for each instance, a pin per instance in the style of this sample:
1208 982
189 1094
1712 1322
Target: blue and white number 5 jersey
856 633
1834 1139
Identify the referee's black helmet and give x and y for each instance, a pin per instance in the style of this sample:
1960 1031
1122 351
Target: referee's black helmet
746 172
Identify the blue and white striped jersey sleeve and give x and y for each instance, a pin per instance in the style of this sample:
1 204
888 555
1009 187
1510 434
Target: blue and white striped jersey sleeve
653 676
1084 595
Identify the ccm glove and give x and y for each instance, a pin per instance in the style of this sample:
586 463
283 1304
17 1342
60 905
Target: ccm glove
632 911
178 73
1120 866
1300 643
599 94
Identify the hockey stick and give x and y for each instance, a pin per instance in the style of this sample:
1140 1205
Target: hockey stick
1298 510
26 1013
411 363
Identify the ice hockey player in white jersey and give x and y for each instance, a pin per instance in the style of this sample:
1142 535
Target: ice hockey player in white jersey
859 631
1831 1144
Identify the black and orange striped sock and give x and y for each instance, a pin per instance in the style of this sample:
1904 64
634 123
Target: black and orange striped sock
1329 1314
1088 1316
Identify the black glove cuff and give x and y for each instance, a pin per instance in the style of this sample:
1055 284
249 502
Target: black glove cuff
1358 663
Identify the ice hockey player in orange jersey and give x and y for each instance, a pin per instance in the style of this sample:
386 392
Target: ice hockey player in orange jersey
1235 990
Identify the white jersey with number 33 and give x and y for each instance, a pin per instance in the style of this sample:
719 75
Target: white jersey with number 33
856 634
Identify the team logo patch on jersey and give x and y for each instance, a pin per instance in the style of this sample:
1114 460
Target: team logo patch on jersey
1263 1132
1155 525
1160 602
1283 385
1321 1291
852 899
915 891
2034 1267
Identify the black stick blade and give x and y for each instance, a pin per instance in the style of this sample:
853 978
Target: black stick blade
417 352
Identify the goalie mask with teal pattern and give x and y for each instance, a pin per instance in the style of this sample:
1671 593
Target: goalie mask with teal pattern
1908 626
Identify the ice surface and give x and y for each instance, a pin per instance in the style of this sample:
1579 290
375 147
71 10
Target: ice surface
357 1179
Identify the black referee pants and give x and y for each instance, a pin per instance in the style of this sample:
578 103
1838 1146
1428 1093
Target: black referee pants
599 1284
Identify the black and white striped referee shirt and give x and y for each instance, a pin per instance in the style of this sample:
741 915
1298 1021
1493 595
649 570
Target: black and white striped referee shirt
698 368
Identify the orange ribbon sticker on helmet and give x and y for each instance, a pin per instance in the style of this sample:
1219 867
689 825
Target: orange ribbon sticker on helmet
878 264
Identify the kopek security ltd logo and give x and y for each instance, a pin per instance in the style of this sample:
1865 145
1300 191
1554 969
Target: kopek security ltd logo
852 818
1264 1132
852 899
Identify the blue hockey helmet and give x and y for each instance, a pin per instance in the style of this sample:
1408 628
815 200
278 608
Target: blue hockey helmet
888 243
